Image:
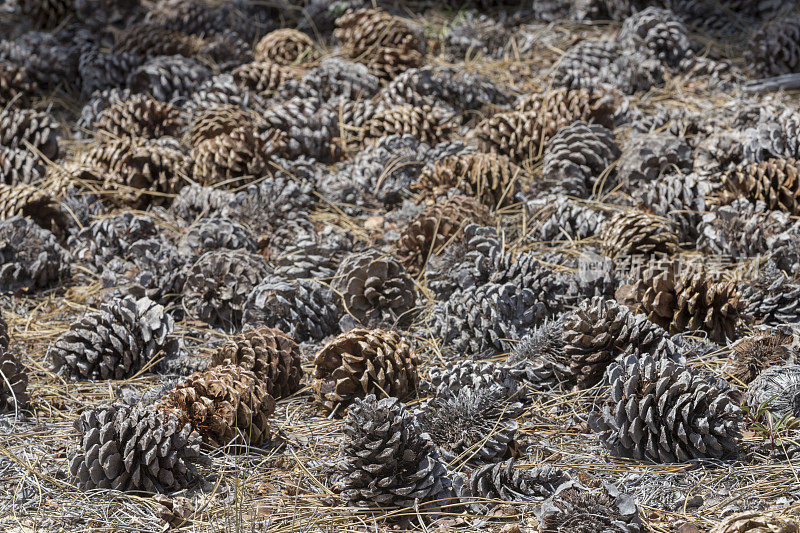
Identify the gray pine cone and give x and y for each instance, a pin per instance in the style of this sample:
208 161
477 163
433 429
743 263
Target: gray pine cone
135 449
218 284
333 77
18 166
308 262
574 507
658 33
105 240
219 91
215 233
586 64
385 460
30 256
679 197
448 381
778 389
662 412
309 124
303 309
97 103
558 218
104 71
13 378
112 343
195 201
772 299
775 48
168 78
18 127
646 157
775 135
480 34
541 357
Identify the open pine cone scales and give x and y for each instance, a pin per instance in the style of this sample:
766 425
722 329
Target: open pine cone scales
776 182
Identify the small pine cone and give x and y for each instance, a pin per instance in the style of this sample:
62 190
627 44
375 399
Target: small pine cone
556 218
13 379
112 343
34 203
168 78
436 227
385 461
361 362
149 40
174 512
682 198
599 332
475 426
755 353
574 507
493 483
16 86
658 33
286 47
216 233
755 522
426 124
492 179
335 77
21 126
689 302
309 125
455 376
135 449
233 159
218 285
771 300
637 233
273 357
662 412
30 256
225 404
776 182
541 357
479 321
375 289
304 309
646 157
105 71
20 166
219 120
140 116
777 389
774 49
149 173
262 77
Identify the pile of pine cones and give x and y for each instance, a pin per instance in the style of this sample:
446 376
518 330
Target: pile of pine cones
390 239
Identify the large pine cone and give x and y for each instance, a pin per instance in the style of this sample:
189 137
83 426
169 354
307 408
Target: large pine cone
754 353
599 332
385 460
97 245
755 522
586 64
660 411
30 256
637 233
135 449
218 284
309 126
436 227
334 77
772 299
658 33
112 343
576 508
13 377
689 302
20 166
286 47
34 203
272 356
490 178
216 233
362 362
448 381
234 158
427 124
776 182
139 116
225 404
775 48
679 197
777 389
577 158
553 218
21 126
149 174
375 289
304 309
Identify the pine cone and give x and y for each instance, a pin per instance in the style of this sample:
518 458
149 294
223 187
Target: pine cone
331 78
221 90
216 233
148 173
774 135
436 227
474 426
556 218
775 48
140 116
491 179
755 353
574 507
680 198
97 245
112 343
102 72
272 356
46 14
102 13
195 202
4 340
361 362
646 157
309 126
777 389
34 203
385 461
263 77
20 166
309 262
493 483
304 309
286 47
771 300
235 158
375 289
150 41
195 18
21 126
586 65
541 356
470 34
637 233
657 32
776 182
219 120
16 86
577 157
754 522
662 412
448 381
30 256
168 78
174 512
218 284
426 124
225 404
14 382
599 332
135 449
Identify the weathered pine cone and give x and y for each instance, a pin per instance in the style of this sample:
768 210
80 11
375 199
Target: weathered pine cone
648 156
658 33
771 299
663 412
286 47
637 233
168 78
34 203
574 507
304 309
427 124
30 256
234 158
135 449
776 389
263 77
14 382
776 182
216 233
375 289
20 166
219 120
681 198
16 85
273 357
21 126
755 522
225 404
218 284
541 357
139 116
362 362
148 173
385 460
457 375
112 343
775 49
755 353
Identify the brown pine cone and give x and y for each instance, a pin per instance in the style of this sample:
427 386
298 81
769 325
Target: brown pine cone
756 522
491 178
389 62
16 86
637 233
152 40
20 165
272 356
139 116
21 126
13 382
776 182
286 47
108 155
563 106
34 203
435 228
361 362
46 14
263 77
225 404
757 352
426 124
149 174
235 158
220 120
